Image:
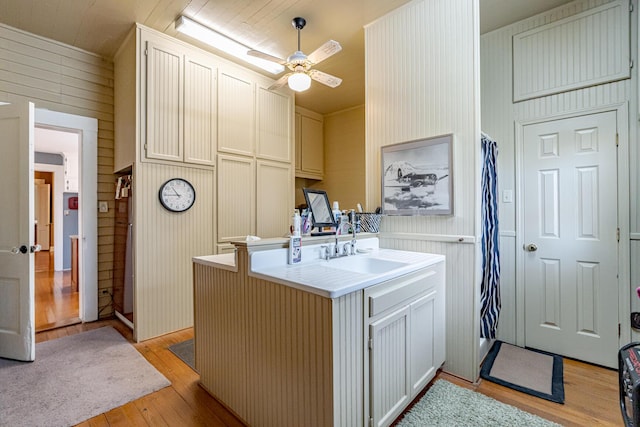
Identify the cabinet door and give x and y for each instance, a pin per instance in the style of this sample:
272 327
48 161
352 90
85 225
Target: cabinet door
389 386
200 110
312 155
422 342
273 133
236 197
236 113
274 194
164 102
71 172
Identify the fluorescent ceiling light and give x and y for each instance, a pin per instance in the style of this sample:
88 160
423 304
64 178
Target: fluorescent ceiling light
223 43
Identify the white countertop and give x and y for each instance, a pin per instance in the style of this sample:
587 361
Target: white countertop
320 277
223 261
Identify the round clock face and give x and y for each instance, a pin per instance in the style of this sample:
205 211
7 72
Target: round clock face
177 195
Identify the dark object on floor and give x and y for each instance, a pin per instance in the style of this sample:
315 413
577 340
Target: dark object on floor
185 352
533 372
629 383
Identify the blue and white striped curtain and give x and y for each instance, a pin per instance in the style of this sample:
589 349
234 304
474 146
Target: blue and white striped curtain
490 290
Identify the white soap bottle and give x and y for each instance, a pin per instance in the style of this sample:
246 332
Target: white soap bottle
295 241
337 213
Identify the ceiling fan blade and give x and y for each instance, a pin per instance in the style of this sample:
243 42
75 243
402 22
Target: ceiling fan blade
324 78
266 56
331 47
280 82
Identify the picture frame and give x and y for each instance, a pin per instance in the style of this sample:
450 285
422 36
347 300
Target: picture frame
417 177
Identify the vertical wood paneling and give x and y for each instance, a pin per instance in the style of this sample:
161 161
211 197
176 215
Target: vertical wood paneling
200 110
274 198
65 79
236 113
579 51
498 116
220 351
236 191
459 288
426 88
167 241
276 355
164 103
348 339
273 136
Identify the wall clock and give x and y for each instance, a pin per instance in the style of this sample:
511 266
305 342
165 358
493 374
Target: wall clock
177 195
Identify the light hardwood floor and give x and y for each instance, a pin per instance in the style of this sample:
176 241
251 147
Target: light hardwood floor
591 392
56 303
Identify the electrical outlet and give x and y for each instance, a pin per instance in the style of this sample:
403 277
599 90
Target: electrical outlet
103 207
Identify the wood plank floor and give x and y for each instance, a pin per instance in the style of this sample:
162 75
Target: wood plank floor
591 392
56 303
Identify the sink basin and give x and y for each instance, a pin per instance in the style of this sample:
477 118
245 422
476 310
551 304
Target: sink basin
366 265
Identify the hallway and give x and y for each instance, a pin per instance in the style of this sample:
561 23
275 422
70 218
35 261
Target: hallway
56 304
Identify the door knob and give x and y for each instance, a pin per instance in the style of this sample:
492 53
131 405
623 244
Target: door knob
36 248
531 247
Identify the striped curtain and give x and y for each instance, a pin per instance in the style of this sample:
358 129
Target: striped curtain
490 290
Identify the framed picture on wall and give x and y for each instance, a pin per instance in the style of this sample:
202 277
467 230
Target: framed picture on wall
417 177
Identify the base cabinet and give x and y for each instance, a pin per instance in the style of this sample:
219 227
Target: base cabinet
279 356
406 340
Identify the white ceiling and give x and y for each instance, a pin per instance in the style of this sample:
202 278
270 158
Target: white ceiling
55 141
100 26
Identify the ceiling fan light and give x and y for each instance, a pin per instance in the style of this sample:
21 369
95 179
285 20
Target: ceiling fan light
299 81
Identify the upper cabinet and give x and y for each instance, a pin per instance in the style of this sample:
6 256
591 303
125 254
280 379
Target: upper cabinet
309 144
181 104
236 113
274 128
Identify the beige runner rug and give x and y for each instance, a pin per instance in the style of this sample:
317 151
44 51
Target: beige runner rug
73 379
533 372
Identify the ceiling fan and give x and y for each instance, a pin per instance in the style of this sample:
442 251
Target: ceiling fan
299 79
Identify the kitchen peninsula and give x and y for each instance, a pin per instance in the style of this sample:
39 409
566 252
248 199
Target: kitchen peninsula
334 342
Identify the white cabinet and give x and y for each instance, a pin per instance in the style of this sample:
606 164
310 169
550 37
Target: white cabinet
236 197
406 342
180 104
274 127
71 172
309 144
236 112
254 197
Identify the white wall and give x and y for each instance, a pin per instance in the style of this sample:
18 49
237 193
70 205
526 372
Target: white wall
499 114
422 65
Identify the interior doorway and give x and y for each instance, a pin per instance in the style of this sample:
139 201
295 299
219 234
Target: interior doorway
56 226
78 175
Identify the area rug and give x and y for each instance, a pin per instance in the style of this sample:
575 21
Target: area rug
533 372
73 379
184 351
447 405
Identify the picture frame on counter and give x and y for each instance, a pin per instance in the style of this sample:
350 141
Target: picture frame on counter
417 177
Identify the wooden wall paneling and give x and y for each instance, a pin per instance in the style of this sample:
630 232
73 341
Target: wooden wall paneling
274 130
235 197
274 198
435 93
582 50
499 114
69 80
166 243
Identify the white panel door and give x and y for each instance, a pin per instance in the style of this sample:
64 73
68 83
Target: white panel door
570 224
17 317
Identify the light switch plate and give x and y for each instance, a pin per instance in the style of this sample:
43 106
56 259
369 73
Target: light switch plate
507 196
103 207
